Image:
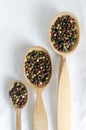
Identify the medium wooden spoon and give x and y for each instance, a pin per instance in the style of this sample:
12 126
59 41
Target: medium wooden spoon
64 93
40 117
18 97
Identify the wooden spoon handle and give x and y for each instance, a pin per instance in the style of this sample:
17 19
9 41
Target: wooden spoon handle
18 119
40 117
64 97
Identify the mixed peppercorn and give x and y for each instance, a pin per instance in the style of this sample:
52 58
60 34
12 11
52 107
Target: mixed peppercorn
64 33
18 95
38 67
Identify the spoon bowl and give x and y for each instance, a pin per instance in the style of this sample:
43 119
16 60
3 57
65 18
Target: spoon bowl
64 54
41 87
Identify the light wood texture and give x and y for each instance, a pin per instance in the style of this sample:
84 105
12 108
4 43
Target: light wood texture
18 119
40 117
64 98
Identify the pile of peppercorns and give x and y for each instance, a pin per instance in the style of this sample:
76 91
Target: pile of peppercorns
64 33
18 95
38 67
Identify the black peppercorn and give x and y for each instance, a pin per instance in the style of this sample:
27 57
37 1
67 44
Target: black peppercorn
64 33
38 67
18 94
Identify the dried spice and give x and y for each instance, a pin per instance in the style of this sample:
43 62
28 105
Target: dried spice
18 95
64 33
38 67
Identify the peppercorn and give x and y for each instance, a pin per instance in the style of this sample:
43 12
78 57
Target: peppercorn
64 33
38 67
18 94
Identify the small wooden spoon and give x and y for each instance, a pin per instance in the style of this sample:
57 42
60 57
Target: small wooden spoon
64 93
40 117
13 93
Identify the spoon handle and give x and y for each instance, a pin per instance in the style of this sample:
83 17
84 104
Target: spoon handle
64 98
40 117
18 119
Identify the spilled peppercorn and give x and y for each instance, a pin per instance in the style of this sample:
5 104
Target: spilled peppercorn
64 33
38 67
18 94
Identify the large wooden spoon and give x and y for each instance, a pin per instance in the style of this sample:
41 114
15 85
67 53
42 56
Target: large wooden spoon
64 92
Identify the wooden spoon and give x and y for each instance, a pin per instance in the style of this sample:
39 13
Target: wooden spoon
13 93
40 117
64 93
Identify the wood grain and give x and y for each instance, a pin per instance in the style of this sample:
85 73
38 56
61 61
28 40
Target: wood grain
40 117
64 98
18 119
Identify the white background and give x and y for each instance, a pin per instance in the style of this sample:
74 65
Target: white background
23 24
